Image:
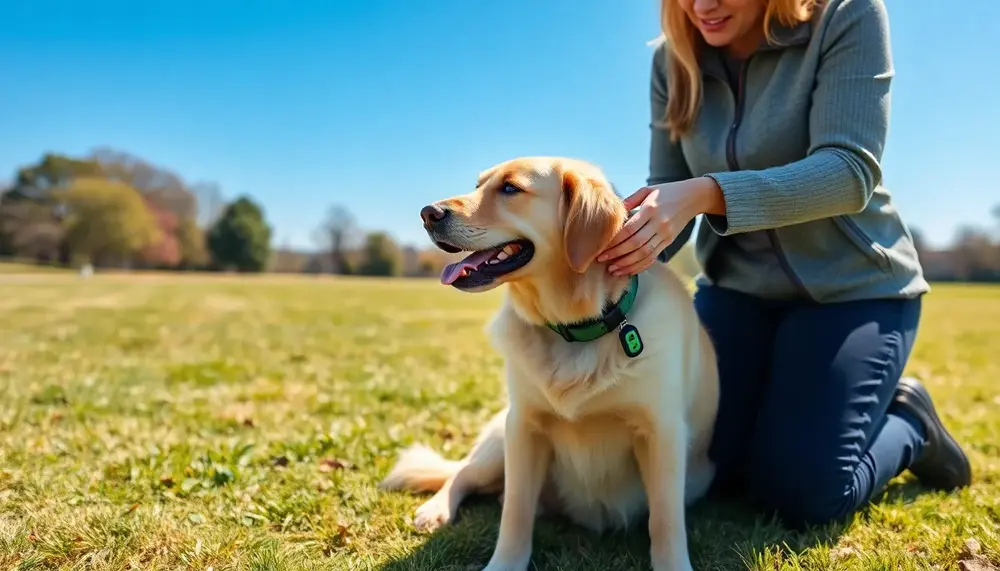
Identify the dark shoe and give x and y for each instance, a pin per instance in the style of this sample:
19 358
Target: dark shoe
942 464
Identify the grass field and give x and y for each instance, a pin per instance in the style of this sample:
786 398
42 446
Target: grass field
214 423
28 268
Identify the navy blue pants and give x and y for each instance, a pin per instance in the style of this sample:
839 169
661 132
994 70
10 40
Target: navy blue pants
803 427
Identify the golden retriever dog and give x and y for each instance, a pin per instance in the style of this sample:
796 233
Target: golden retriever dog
601 428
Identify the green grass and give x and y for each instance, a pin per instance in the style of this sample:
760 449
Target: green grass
196 423
14 267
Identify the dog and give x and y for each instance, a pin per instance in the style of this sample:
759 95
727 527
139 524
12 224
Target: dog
607 421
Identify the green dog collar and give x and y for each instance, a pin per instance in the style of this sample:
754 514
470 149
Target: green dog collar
613 317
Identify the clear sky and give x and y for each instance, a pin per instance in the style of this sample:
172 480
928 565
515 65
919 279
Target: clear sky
384 105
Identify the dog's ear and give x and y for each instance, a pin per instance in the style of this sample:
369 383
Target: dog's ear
592 216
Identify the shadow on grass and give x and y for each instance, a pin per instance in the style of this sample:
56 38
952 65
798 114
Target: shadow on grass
723 534
903 491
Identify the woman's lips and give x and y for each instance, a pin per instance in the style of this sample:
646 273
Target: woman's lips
714 24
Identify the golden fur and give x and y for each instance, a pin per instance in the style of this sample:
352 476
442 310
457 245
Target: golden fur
588 433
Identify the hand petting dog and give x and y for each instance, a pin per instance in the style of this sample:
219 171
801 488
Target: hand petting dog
664 210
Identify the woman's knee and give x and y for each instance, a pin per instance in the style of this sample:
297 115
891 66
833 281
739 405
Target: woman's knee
742 332
800 497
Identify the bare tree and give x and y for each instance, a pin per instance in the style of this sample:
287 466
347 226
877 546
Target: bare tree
210 200
161 186
975 255
336 236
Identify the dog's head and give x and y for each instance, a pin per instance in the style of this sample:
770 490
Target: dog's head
527 219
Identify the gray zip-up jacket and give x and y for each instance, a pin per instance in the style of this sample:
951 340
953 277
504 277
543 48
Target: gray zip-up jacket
794 142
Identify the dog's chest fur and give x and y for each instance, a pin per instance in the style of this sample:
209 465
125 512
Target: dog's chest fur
569 380
594 473
581 398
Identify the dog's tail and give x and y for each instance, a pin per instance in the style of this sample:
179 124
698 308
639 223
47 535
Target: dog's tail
420 469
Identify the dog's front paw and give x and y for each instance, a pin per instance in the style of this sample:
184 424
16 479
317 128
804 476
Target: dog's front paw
509 562
505 567
433 514
668 563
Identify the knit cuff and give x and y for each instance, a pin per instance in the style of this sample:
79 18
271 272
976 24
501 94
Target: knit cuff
743 210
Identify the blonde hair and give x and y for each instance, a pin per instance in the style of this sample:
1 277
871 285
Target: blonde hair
683 71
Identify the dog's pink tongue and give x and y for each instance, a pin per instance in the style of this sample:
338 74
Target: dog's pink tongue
452 272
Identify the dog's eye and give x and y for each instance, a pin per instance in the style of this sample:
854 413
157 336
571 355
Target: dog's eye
509 188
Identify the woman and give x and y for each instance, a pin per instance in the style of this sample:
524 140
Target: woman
769 118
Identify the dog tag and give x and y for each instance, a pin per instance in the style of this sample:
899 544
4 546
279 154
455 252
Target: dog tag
630 339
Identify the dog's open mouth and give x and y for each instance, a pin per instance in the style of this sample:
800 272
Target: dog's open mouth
482 267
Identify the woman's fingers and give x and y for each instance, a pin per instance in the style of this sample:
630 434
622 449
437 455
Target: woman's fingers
637 197
637 247
632 241
625 240
650 251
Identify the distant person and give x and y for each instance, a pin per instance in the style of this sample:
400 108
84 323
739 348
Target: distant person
769 117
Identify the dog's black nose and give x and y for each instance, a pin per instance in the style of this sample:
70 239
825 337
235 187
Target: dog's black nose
432 213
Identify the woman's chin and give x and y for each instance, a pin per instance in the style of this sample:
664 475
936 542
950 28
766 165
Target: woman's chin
717 39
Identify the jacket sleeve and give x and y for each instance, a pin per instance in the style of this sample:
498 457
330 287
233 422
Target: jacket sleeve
666 159
848 122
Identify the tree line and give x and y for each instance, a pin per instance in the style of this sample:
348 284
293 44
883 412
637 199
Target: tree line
116 210
112 209
344 248
973 256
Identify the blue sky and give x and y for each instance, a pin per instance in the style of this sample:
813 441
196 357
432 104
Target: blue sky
384 105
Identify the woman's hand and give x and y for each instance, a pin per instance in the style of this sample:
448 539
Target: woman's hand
664 210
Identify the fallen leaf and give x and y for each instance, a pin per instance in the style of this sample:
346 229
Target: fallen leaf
971 560
343 536
980 563
972 547
331 464
279 461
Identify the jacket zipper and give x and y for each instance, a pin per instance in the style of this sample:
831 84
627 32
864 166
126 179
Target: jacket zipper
735 166
731 140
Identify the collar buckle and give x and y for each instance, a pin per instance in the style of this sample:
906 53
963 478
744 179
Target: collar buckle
613 317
